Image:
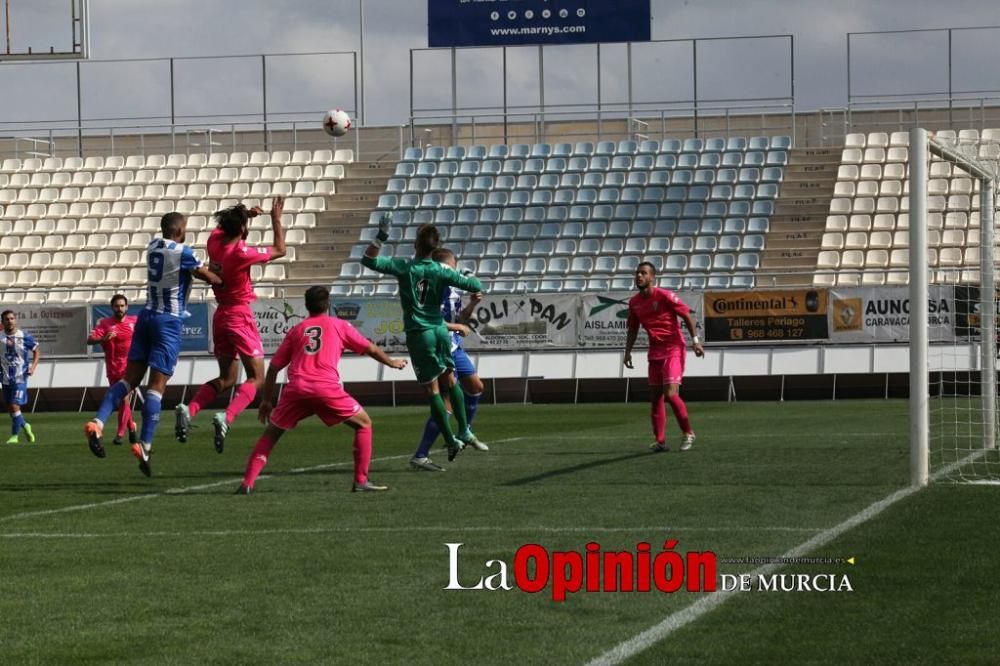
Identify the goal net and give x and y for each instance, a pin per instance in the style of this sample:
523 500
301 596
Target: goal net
953 251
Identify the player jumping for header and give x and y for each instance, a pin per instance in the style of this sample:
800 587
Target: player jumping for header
658 310
156 343
421 285
234 328
311 351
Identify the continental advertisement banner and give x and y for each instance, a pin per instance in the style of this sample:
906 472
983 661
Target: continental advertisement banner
882 314
766 316
603 318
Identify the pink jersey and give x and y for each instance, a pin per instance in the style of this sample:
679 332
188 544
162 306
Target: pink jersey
659 314
312 350
115 349
232 262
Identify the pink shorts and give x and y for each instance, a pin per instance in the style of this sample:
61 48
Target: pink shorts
235 334
667 369
332 408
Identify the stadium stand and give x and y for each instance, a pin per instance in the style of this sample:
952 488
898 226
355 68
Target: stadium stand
866 238
73 228
580 217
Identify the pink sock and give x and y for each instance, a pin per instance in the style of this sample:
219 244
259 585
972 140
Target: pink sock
258 459
244 396
362 453
124 415
204 397
680 413
658 412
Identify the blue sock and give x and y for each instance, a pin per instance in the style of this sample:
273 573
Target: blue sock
431 432
16 423
471 406
112 400
150 416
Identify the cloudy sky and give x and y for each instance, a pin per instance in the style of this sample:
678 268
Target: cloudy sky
147 29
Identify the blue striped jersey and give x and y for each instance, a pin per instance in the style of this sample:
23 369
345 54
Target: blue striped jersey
170 264
451 306
16 357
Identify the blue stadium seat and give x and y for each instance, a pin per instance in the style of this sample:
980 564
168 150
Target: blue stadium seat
562 150
498 152
477 152
649 147
520 150
541 150
542 248
670 146
624 212
541 198
665 161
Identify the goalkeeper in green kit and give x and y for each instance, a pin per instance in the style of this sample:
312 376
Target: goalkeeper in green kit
421 282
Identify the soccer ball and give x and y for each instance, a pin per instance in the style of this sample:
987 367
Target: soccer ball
336 122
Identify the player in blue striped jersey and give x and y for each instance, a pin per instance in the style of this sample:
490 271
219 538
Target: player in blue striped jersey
18 361
156 342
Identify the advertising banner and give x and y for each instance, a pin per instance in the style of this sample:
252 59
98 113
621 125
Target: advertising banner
58 330
602 318
771 316
882 314
523 321
275 317
194 330
518 22
379 319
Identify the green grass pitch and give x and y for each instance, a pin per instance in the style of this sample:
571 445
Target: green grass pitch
176 569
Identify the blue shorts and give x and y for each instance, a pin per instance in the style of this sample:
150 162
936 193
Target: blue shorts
463 364
15 394
156 341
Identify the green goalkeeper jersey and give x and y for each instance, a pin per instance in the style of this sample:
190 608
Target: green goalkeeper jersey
421 287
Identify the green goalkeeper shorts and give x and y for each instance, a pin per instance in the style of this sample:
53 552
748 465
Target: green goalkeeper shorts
430 353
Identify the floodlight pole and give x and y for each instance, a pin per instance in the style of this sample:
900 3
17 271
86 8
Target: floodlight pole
919 382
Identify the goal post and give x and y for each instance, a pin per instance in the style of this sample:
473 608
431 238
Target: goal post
953 380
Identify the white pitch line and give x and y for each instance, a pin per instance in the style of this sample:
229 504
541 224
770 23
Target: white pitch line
408 528
187 489
710 601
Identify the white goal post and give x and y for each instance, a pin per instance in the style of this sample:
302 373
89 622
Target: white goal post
953 419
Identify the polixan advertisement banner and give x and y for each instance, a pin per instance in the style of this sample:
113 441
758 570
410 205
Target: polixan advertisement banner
882 314
523 321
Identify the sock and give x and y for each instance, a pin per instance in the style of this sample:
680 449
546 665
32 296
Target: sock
431 432
112 399
204 396
440 415
16 423
150 417
458 398
680 413
362 453
258 459
124 416
471 406
244 396
658 413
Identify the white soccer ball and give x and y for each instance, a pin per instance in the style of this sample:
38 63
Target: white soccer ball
336 122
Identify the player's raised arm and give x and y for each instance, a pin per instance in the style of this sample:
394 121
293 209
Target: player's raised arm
278 249
384 224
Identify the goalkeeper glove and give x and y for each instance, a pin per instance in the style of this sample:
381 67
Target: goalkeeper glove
384 223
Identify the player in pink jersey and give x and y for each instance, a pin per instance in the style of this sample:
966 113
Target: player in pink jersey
658 310
114 334
311 351
234 327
